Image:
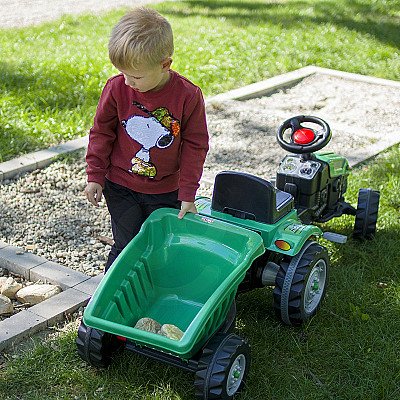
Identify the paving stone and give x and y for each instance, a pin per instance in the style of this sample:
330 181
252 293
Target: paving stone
45 157
17 166
39 159
73 144
57 274
355 77
20 326
54 308
3 244
19 263
263 88
90 285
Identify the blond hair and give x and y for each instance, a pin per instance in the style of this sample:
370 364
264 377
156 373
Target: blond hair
142 36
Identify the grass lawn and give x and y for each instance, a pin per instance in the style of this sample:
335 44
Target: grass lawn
350 350
51 75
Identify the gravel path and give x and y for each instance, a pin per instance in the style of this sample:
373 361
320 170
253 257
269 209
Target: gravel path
46 212
17 13
360 115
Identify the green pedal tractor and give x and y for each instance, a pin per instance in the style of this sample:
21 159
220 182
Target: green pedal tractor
187 273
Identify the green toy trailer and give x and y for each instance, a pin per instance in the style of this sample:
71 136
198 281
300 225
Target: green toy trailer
187 273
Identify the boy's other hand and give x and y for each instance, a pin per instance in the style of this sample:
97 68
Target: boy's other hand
187 206
93 192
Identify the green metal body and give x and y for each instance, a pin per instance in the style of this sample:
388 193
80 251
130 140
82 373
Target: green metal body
184 272
289 228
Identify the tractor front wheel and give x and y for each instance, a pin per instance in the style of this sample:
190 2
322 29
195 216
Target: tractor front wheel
366 214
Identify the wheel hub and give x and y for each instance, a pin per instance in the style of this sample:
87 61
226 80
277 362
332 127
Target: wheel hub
315 286
236 374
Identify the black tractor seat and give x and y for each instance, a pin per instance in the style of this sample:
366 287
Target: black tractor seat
249 197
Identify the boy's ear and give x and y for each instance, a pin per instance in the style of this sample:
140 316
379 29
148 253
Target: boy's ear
166 64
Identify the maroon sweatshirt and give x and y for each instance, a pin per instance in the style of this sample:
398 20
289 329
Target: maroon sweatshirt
152 142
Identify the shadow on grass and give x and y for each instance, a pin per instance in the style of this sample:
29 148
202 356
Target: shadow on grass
14 140
47 90
351 14
39 107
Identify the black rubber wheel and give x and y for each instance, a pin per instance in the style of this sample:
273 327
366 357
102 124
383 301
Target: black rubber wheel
96 347
366 214
300 284
223 367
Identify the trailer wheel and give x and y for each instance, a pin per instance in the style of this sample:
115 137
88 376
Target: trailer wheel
96 347
300 284
223 367
229 323
366 214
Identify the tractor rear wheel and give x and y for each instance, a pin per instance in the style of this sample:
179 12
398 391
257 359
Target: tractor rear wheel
300 284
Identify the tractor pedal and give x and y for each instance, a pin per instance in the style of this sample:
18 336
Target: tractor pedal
335 237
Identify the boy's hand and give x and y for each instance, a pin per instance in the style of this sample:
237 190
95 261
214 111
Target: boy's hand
187 206
93 192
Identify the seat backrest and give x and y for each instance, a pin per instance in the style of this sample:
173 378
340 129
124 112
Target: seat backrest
244 196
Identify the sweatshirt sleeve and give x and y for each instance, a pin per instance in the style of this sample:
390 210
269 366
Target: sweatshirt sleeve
194 147
101 137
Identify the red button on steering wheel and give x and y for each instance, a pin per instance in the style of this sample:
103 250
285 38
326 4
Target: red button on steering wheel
303 136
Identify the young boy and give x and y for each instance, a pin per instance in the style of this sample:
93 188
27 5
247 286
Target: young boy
149 140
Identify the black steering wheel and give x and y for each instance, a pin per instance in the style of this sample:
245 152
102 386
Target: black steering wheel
303 139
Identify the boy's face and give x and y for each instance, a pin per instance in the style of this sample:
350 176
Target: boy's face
144 78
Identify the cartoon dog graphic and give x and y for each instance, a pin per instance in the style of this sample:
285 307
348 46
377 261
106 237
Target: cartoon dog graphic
157 130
